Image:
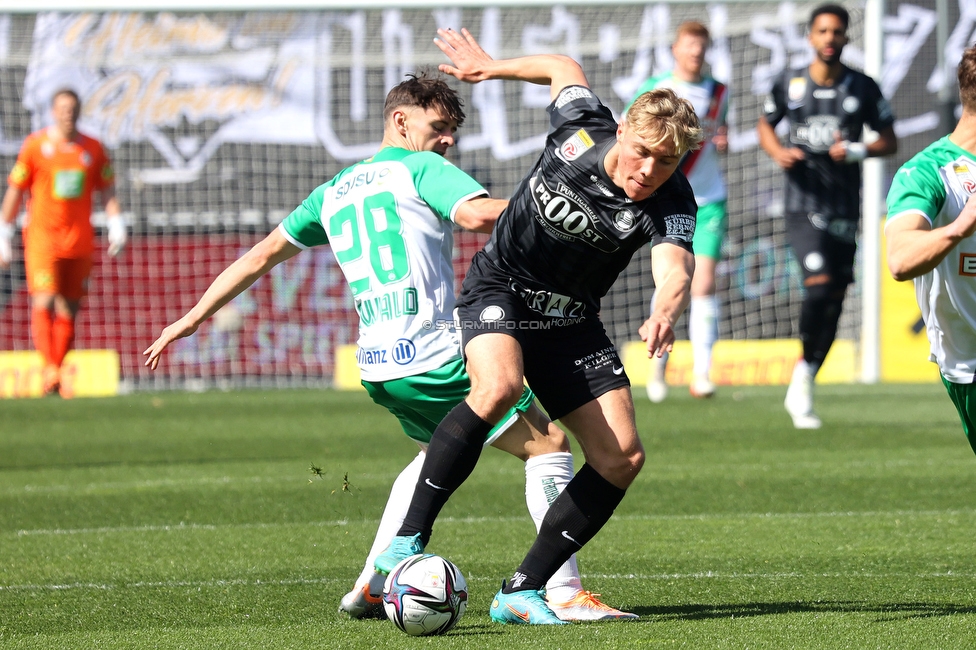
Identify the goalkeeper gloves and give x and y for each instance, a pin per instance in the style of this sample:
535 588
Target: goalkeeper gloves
116 235
6 242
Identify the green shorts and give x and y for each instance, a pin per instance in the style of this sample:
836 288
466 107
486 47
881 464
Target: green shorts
964 397
421 401
710 228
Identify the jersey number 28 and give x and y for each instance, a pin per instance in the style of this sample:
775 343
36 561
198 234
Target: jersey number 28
377 221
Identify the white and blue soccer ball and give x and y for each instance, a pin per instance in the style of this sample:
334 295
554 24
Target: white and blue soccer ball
425 595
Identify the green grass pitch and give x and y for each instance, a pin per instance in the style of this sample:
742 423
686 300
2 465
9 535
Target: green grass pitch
193 521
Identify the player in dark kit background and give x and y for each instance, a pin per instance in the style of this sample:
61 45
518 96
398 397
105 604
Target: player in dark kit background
529 305
827 105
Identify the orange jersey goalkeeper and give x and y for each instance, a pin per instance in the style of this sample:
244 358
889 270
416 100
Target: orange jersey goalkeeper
59 170
60 177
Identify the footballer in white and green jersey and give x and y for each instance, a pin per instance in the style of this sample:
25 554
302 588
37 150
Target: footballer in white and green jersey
936 184
390 222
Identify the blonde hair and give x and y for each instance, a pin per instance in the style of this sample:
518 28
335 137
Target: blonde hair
660 116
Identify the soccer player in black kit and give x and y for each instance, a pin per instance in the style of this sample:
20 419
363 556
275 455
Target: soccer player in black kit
528 308
828 105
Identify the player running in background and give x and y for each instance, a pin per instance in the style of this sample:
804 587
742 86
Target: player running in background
529 305
59 169
929 230
704 171
389 221
828 105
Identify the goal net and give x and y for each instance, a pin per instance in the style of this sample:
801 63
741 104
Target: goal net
220 123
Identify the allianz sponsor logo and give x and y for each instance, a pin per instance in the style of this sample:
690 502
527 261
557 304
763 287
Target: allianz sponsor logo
370 357
549 303
566 216
404 351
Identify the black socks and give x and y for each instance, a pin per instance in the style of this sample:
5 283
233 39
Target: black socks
451 457
572 520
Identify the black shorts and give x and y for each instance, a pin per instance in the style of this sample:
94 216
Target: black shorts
568 358
823 246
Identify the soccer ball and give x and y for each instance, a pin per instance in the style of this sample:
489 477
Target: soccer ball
424 595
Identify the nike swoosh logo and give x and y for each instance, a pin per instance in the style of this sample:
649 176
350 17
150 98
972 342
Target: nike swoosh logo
522 615
619 370
436 487
566 535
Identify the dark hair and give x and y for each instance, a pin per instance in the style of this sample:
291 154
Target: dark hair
835 10
424 92
966 73
69 92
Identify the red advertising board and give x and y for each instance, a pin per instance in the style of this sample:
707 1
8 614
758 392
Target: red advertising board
285 326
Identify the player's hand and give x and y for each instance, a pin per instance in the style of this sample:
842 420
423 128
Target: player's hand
658 333
965 224
838 150
116 235
464 52
6 243
786 157
721 139
845 151
178 330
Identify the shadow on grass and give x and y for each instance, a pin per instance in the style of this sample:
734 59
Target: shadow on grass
887 611
485 629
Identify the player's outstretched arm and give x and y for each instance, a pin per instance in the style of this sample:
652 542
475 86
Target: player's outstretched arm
480 214
472 64
915 248
264 256
672 268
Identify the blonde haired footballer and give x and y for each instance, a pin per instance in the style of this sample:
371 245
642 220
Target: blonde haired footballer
389 221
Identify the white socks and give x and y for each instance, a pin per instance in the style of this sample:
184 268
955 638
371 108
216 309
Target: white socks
545 477
703 332
393 514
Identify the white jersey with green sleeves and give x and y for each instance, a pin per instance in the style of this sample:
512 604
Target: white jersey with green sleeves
389 220
706 175
936 183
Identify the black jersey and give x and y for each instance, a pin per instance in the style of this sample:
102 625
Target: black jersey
816 114
568 228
